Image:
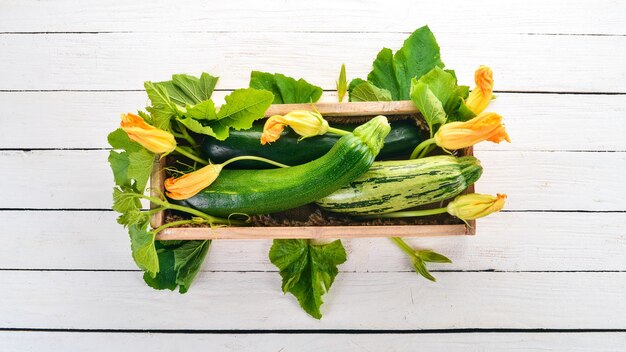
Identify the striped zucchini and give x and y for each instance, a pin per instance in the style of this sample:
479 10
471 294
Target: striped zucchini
395 185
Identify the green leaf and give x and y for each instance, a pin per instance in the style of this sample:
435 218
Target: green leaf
135 163
342 83
431 256
462 113
142 246
383 74
188 259
307 270
166 277
366 91
443 84
140 167
197 117
427 103
197 126
286 89
124 201
189 90
242 107
119 164
354 83
162 108
202 111
179 264
420 268
419 54
133 216
186 89
168 97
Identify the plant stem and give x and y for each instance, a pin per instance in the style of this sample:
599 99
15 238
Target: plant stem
191 156
185 134
403 246
172 224
209 218
155 210
426 151
338 131
420 148
407 214
257 158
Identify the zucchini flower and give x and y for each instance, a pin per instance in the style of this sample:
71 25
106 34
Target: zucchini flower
305 123
484 127
482 94
474 206
190 184
155 140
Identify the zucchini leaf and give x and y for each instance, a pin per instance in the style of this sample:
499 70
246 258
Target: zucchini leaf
163 108
443 84
132 167
419 54
384 74
187 99
307 270
202 111
189 90
142 246
242 107
131 170
286 90
439 98
179 263
168 99
126 202
366 91
354 83
428 104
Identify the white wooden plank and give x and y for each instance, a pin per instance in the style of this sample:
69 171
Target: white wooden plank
534 121
78 179
120 300
505 242
473 342
598 17
126 60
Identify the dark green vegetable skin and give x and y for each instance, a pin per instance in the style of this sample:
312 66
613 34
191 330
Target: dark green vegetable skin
268 191
402 139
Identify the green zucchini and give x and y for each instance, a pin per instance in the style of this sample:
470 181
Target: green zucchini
268 191
402 139
395 185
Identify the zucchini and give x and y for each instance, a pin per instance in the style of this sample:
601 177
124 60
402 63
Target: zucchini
395 185
402 139
268 191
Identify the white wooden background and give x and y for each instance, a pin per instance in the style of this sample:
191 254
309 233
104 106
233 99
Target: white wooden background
549 273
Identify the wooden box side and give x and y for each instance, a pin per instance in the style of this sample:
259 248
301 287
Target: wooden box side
157 190
310 232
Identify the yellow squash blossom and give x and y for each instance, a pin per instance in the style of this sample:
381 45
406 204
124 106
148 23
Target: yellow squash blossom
305 123
474 206
190 184
484 127
155 140
482 94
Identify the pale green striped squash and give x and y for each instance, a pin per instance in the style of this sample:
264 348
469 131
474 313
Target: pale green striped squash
395 185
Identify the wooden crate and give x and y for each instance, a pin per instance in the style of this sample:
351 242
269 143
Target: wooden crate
358 109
